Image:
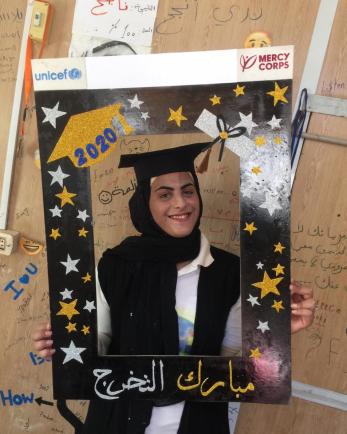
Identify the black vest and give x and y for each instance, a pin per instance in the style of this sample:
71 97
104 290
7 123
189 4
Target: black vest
218 290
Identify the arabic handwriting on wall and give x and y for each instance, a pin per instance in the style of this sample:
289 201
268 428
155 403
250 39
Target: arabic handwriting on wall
10 38
25 303
222 16
325 282
11 16
315 340
323 250
194 381
337 354
105 197
107 389
172 23
102 7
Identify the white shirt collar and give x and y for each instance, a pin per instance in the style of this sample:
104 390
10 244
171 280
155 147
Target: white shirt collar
203 259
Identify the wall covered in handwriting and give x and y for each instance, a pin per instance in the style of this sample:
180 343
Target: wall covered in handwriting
11 20
11 25
321 250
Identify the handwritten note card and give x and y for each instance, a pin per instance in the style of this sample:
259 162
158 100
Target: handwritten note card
129 21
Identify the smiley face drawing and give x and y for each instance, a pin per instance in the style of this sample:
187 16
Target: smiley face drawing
105 197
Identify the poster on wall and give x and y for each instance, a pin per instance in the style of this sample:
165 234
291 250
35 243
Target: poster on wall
240 102
110 28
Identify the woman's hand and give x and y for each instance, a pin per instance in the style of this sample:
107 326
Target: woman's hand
43 343
302 306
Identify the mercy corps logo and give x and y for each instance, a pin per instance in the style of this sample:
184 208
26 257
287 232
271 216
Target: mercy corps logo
72 74
265 61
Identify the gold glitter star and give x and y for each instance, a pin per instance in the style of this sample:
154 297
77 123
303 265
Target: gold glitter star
215 100
239 90
278 248
176 116
279 269
256 170
55 234
65 197
250 228
87 278
71 327
68 309
82 233
255 354
260 141
85 330
278 305
268 285
278 94
277 140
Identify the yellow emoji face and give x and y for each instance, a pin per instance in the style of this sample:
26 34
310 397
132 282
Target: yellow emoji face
257 39
30 247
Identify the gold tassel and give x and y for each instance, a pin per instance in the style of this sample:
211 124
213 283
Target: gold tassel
203 166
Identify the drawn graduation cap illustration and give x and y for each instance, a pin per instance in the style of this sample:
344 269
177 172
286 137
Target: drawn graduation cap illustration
180 159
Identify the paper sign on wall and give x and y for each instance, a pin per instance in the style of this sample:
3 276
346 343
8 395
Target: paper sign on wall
128 21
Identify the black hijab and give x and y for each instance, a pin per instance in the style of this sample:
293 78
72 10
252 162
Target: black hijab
139 278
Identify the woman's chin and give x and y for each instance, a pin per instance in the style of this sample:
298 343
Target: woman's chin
179 231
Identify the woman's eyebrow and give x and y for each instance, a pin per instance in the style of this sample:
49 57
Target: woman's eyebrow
164 187
187 185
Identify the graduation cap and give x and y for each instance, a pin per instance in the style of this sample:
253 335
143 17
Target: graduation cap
155 163
181 159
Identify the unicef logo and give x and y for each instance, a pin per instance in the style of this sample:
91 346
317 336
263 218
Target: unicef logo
75 74
72 74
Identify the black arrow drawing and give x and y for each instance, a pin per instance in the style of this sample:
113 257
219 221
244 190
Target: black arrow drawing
42 401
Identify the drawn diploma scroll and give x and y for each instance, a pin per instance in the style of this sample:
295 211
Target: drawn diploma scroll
241 146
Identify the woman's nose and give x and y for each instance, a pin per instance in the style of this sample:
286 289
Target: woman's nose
179 201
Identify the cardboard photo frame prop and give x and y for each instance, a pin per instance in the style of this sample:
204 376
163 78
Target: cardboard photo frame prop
84 106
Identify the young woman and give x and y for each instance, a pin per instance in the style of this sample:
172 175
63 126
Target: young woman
168 292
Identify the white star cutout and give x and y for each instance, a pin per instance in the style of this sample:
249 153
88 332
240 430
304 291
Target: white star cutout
135 102
274 123
89 306
263 326
56 211
73 353
52 114
145 115
82 215
246 121
70 264
260 265
58 176
66 294
271 204
253 300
